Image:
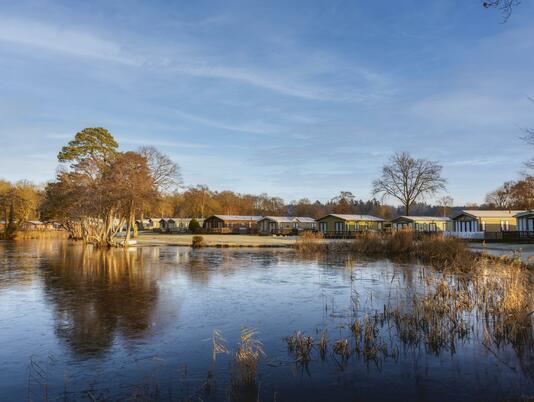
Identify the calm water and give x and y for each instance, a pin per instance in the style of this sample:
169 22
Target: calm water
81 324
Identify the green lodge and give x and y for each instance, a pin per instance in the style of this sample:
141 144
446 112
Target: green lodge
347 224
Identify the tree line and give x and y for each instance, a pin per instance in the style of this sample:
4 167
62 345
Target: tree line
201 202
99 190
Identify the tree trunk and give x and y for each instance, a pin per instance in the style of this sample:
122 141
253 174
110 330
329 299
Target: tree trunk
131 218
5 221
135 228
128 228
407 209
11 226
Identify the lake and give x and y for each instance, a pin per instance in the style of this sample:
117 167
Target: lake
83 324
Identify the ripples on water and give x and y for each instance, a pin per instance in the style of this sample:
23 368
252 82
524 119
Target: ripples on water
84 324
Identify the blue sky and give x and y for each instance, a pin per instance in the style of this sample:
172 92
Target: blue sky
300 98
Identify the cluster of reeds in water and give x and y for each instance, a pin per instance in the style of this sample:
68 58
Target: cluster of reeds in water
244 365
493 302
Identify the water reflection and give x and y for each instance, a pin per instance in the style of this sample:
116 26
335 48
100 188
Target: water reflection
121 316
98 295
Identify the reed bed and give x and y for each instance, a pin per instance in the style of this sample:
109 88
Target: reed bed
492 303
36 234
437 251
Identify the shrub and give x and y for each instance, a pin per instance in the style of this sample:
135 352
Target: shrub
198 241
446 253
194 226
400 243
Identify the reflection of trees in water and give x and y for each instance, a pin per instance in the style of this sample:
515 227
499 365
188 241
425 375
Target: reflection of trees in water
20 260
99 294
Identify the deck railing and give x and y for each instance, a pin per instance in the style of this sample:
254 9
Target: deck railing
466 235
347 234
512 236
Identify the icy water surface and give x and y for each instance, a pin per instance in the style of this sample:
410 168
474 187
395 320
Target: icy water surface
84 324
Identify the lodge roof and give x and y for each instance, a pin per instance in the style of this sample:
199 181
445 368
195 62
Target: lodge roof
524 213
179 219
237 217
347 217
475 213
414 218
289 219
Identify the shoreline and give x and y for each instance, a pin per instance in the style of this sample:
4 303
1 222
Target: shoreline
522 252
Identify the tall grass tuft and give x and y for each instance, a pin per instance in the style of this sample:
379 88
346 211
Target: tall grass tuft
219 344
248 354
310 242
446 253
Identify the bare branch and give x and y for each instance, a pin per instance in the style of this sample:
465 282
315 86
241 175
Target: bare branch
165 172
408 179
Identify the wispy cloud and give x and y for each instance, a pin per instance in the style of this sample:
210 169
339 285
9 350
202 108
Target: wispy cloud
160 143
60 39
250 128
493 161
186 60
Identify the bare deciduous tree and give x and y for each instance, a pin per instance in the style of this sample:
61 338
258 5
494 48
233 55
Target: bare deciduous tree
408 179
503 197
513 195
165 172
445 203
129 186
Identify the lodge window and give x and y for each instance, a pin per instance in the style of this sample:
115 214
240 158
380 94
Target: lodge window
323 226
505 225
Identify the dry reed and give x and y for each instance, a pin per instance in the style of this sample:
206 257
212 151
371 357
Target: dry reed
248 354
438 251
492 300
301 345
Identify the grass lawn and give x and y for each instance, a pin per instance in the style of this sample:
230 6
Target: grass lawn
213 240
